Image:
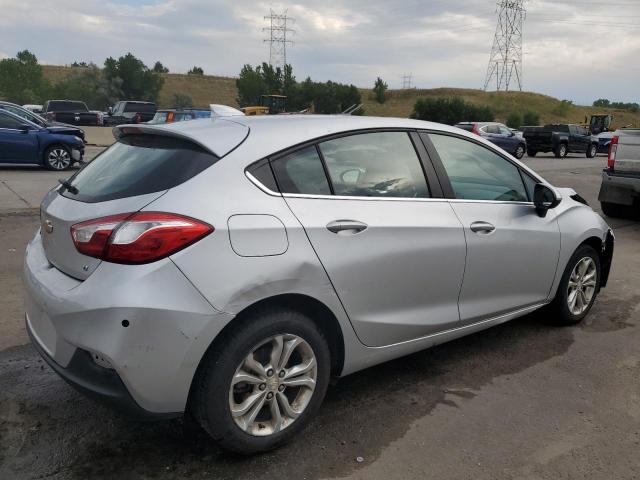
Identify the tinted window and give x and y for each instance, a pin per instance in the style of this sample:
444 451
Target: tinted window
139 164
465 126
64 106
301 172
381 164
7 121
477 173
263 173
140 107
493 129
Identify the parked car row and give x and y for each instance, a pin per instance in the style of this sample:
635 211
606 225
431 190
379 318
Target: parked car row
498 134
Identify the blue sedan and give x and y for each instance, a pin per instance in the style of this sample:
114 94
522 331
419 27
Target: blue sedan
24 142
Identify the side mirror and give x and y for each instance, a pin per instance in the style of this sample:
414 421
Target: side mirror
24 128
512 134
544 198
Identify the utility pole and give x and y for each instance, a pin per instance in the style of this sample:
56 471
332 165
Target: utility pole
277 37
406 81
505 62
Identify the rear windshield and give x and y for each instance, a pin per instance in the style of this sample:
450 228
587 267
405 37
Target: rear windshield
465 126
64 106
140 107
137 165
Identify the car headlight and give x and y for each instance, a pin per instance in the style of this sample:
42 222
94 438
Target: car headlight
78 139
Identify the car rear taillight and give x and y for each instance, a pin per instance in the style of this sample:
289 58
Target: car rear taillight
613 148
475 129
135 238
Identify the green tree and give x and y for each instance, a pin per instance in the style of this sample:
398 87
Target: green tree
380 90
530 119
514 120
138 82
196 71
21 79
90 85
451 111
601 102
250 86
181 100
159 68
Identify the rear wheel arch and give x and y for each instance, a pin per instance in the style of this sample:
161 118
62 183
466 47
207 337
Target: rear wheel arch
312 308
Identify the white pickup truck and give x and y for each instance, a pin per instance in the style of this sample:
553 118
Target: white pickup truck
620 190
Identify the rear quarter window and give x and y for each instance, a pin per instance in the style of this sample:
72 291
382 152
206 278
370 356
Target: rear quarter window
138 165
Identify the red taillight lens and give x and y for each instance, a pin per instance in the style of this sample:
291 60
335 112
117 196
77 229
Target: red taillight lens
134 238
613 148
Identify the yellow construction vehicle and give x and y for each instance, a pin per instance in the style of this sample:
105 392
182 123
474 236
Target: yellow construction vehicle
269 105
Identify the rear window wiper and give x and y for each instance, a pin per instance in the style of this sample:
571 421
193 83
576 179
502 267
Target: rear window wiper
66 184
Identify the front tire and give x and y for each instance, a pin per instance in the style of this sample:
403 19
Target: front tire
519 153
57 157
592 151
578 287
260 385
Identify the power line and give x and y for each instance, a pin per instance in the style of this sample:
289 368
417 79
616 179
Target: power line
277 37
505 61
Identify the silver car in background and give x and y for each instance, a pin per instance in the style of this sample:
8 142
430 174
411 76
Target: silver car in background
231 267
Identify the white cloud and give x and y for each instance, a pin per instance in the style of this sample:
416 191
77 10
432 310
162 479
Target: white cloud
570 51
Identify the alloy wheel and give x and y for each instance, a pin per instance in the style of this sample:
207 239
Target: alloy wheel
582 285
58 159
273 385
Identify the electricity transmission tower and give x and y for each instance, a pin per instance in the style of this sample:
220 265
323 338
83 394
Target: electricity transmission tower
505 63
277 37
406 81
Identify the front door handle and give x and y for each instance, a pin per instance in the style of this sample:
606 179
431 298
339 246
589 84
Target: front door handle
482 227
346 226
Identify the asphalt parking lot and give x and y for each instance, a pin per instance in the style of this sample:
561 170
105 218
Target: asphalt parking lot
524 400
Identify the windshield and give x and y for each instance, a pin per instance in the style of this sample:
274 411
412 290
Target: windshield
26 114
66 106
137 165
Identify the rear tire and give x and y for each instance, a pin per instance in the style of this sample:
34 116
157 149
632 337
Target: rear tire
592 151
254 425
561 151
57 157
582 274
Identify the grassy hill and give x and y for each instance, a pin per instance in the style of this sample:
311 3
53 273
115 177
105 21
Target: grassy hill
400 104
207 89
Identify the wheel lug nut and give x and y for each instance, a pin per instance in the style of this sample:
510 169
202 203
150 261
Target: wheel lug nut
281 374
281 388
270 372
263 386
269 395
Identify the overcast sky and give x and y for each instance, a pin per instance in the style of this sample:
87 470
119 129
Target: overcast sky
574 49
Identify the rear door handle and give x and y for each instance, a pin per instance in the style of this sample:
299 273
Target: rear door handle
346 226
482 227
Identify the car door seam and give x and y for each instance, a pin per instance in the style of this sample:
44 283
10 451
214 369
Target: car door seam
466 253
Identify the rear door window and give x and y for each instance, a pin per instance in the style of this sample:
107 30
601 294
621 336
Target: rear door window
138 165
379 164
301 172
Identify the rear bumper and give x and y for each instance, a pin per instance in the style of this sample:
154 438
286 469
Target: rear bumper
621 189
99 383
152 356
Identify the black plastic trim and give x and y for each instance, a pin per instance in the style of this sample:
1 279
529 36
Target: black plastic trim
101 384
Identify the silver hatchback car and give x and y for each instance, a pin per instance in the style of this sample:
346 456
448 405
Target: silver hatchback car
231 267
